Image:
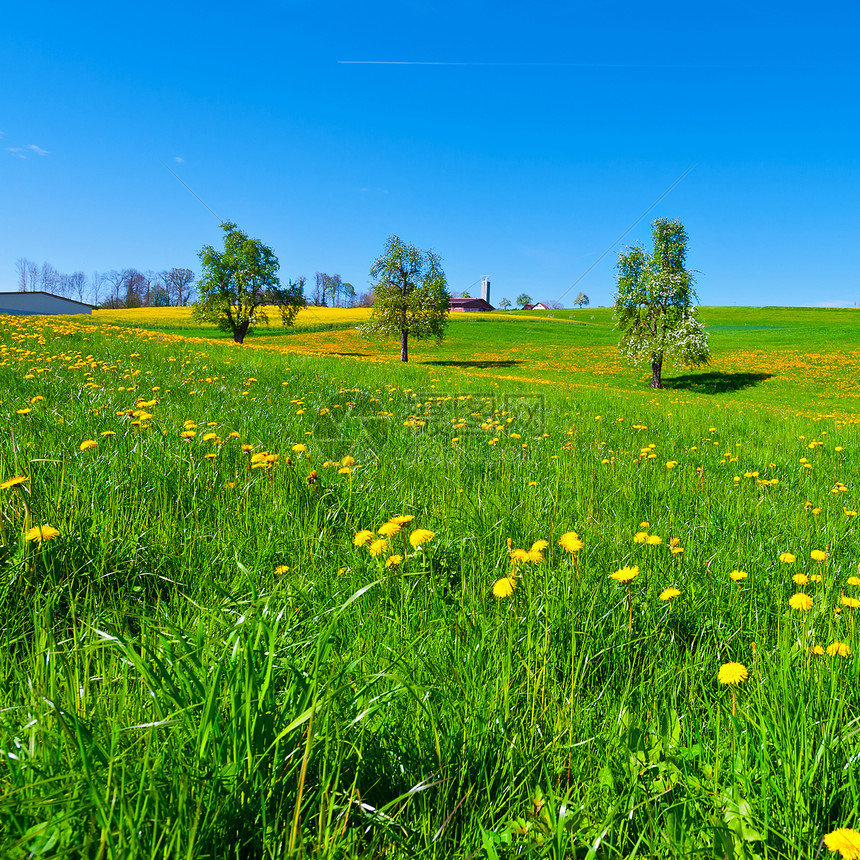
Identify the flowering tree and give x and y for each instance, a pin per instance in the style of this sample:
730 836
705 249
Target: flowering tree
654 304
240 282
411 294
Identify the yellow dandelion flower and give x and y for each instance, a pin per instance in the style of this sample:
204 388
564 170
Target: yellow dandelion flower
13 482
344 470
818 650
669 593
402 519
800 579
816 511
539 546
816 577
247 448
818 555
107 433
208 437
535 557
420 536
348 461
22 411
640 537
298 448
87 444
800 601
653 540
281 569
362 537
644 524
377 547
851 602
571 542
519 555
852 580
41 533
738 575
838 649
188 434
787 557
393 560
677 550
732 673
504 587
625 574
389 529
845 841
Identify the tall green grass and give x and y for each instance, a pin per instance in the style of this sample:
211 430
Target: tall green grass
164 692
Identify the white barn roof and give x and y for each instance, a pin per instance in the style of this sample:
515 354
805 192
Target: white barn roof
43 303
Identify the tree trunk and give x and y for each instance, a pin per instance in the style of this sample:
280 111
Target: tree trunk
657 373
404 348
240 332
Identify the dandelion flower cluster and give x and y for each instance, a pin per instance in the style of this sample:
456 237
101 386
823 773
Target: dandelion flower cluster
732 673
845 841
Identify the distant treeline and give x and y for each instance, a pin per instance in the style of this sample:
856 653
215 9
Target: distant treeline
132 288
126 288
331 291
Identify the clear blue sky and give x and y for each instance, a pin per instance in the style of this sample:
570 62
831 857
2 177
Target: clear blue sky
518 140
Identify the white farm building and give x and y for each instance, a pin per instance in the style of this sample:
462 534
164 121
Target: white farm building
41 303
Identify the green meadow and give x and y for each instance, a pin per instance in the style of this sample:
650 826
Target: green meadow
206 656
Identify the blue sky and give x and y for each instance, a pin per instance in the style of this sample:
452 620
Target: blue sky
520 141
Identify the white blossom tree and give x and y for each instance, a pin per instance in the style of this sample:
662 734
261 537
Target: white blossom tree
654 304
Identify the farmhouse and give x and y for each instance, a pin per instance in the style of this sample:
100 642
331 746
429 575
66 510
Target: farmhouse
470 305
42 303
540 306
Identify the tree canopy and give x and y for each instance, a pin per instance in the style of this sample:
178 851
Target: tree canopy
582 300
239 283
654 304
524 299
411 295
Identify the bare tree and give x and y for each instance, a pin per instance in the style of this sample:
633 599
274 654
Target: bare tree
78 285
178 283
32 277
97 280
318 295
22 265
114 281
49 278
135 287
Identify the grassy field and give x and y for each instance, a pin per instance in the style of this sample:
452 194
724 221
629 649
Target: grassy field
295 599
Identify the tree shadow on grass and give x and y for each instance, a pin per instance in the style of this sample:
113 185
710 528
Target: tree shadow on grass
479 364
715 382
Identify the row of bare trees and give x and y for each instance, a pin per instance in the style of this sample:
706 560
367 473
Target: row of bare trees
332 291
126 288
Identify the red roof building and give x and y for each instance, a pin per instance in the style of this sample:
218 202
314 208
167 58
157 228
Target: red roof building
474 305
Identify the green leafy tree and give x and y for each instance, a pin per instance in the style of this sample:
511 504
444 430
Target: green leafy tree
240 282
504 304
411 295
524 299
582 300
654 304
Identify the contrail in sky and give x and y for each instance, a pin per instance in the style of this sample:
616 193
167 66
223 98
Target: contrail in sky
539 64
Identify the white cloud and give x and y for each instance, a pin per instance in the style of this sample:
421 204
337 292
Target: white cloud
24 151
178 160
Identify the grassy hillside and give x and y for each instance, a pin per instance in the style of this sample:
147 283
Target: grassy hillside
324 604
